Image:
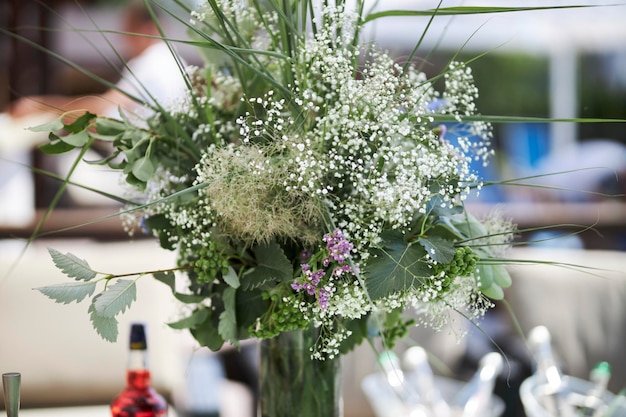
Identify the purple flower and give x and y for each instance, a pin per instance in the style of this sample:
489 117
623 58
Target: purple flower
323 297
305 255
338 247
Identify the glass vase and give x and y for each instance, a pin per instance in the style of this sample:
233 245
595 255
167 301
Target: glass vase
293 384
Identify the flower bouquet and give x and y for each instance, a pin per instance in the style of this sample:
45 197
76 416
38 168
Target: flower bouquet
308 183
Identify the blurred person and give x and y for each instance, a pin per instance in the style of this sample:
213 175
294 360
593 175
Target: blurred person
152 77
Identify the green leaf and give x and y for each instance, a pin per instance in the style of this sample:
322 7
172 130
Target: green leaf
55 147
56 124
68 292
501 276
166 277
395 266
440 249
470 227
231 278
196 318
76 139
459 10
169 278
494 292
109 127
106 327
80 124
485 276
358 332
250 306
116 298
143 169
206 333
272 265
228 319
72 266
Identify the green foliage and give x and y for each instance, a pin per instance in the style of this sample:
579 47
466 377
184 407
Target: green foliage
272 266
72 266
396 266
68 292
116 298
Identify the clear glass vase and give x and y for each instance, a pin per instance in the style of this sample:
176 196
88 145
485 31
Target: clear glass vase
293 384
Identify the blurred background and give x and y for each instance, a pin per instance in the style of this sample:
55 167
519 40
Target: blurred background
564 64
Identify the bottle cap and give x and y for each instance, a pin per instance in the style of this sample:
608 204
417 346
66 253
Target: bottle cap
138 337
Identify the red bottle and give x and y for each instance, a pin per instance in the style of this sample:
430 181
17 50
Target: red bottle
138 399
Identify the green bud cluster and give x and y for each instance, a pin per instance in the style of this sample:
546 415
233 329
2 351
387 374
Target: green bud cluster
462 264
280 317
397 331
210 263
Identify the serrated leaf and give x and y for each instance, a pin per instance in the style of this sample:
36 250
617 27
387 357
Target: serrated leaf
396 266
72 266
196 318
106 327
231 278
440 249
143 169
272 265
116 298
68 292
227 327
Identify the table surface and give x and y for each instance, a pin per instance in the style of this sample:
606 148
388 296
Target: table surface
81 411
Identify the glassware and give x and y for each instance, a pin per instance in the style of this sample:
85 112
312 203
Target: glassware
11 388
548 373
294 384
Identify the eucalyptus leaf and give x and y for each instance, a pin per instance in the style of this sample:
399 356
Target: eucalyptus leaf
72 266
143 168
106 327
485 275
494 292
501 276
68 292
52 126
109 127
76 139
116 298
